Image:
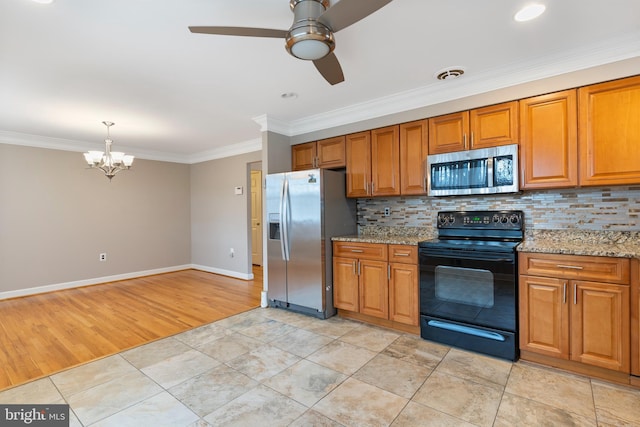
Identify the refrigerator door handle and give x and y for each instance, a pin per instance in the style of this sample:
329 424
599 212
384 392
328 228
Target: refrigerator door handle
281 215
284 219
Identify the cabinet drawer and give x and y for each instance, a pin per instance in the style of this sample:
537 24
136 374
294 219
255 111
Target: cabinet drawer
374 251
602 269
405 254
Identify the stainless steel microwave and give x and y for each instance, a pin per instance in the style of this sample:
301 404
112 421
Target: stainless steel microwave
484 171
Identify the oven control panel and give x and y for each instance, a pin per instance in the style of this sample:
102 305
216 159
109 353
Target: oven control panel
502 220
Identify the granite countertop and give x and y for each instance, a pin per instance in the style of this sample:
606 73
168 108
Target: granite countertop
393 240
621 244
389 235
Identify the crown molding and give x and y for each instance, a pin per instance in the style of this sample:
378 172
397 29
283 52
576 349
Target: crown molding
272 124
227 151
38 141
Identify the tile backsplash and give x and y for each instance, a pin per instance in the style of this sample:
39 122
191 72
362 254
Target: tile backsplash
592 209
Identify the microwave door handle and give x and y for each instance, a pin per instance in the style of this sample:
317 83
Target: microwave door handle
490 179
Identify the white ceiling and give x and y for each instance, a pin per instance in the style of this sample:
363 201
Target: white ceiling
67 66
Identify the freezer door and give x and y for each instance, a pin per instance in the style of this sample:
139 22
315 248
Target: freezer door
305 281
277 266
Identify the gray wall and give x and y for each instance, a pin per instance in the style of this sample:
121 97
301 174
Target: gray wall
276 153
219 219
56 216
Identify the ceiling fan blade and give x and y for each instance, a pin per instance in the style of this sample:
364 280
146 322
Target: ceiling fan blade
330 68
240 31
347 12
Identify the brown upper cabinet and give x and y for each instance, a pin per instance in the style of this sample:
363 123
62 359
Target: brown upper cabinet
609 132
373 163
385 161
549 140
303 156
358 148
326 153
478 128
414 147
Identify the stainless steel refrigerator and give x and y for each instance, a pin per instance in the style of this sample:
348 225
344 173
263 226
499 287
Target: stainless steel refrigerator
305 209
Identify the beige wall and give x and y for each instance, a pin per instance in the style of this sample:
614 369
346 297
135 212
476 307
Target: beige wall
219 218
56 216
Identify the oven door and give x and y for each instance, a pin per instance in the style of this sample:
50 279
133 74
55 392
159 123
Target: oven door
468 299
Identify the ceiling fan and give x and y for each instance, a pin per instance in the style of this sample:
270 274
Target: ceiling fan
311 35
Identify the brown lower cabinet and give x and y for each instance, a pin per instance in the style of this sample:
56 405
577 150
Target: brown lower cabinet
635 321
378 281
576 308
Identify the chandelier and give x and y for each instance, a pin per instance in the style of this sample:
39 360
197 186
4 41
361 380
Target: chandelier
109 162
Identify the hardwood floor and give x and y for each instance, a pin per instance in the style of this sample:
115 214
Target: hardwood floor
46 333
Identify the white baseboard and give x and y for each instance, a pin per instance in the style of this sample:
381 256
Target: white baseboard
105 279
229 273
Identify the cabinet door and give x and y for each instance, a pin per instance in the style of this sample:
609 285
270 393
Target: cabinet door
331 152
303 156
414 147
345 283
609 132
374 288
448 133
385 161
358 164
403 294
494 125
544 316
600 325
549 140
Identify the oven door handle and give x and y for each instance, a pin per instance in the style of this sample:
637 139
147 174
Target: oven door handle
473 256
466 330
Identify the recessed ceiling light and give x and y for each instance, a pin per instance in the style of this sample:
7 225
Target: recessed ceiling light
43 1
529 12
289 95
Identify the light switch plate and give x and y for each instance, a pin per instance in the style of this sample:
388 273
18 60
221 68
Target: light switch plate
238 190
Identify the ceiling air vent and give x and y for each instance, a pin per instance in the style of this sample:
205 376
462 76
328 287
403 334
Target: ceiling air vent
449 73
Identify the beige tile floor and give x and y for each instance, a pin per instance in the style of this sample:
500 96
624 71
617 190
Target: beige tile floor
269 367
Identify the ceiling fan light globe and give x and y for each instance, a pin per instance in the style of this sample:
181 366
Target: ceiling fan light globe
308 39
310 49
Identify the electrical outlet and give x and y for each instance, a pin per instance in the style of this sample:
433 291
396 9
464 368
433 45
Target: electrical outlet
102 256
231 252
387 211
